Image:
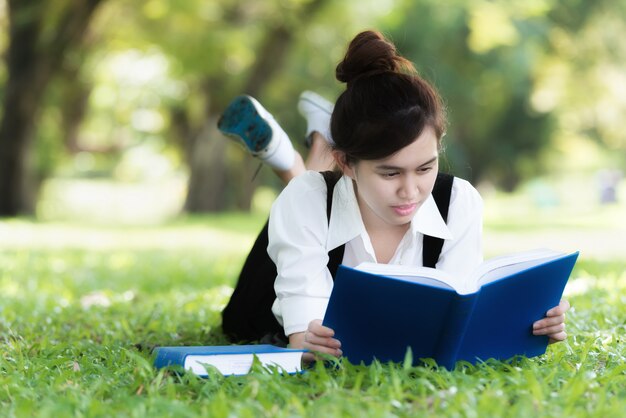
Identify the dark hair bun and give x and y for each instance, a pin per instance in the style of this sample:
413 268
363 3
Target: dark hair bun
370 54
386 105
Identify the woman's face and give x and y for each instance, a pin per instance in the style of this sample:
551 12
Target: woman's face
391 190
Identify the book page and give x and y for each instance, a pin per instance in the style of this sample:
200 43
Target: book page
499 267
240 364
490 270
415 274
237 364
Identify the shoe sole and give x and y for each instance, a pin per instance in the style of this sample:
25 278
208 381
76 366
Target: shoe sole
242 121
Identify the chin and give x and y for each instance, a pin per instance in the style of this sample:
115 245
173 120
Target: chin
400 221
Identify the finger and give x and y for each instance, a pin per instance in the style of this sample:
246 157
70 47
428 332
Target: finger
308 357
313 339
319 338
555 338
550 330
549 321
312 356
317 328
323 349
559 310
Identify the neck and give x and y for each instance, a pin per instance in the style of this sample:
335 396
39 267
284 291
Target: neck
384 237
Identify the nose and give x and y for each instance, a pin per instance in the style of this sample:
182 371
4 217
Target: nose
409 187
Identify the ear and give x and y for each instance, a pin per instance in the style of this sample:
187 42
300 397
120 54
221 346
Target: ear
342 162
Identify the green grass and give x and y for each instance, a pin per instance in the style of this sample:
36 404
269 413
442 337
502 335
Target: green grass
81 306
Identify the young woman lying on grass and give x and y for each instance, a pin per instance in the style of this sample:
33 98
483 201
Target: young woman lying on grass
384 141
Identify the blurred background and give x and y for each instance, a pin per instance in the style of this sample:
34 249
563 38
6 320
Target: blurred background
109 107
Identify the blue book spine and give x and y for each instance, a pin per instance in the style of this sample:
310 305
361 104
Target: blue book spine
451 337
166 357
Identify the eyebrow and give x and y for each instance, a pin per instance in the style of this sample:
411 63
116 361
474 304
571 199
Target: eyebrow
393 167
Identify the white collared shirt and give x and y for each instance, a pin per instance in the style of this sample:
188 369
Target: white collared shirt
300 237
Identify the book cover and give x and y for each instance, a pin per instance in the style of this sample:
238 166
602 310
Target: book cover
228 359
379 316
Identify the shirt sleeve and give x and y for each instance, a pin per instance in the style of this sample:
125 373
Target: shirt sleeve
298 228
463 253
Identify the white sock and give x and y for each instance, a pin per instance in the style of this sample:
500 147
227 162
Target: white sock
280 154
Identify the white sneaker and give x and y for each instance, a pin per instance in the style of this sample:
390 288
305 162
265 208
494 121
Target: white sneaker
246 121
317 111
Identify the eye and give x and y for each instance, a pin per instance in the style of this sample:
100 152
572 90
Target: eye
389 174
423 170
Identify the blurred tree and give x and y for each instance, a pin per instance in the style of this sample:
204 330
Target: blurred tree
481 56
40 34
204 193
217 50
508 71
584 78
515 75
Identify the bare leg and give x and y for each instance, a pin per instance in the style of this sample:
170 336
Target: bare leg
319 159
296 169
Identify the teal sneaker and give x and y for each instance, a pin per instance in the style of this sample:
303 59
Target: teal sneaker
246 121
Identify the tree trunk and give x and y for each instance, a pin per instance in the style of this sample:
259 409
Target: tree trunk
17 176
23 93
208 170
74 103
32 61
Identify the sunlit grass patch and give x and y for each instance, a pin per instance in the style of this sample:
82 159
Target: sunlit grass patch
77 325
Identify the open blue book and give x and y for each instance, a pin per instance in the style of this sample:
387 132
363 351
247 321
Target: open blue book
379 310
228 359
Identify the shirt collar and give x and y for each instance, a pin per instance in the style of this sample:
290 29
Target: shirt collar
428 221
346 222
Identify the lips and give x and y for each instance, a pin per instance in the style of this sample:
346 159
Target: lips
404 210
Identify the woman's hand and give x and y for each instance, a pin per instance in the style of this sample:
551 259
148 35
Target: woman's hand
553 325
317 338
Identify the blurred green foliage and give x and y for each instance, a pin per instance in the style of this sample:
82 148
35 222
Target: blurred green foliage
525 83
